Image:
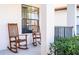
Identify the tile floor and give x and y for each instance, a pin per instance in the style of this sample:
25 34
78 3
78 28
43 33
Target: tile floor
33 50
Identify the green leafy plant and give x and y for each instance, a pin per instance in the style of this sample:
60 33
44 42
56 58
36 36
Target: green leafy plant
65 46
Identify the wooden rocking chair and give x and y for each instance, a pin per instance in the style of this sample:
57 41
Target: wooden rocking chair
14 40
36 35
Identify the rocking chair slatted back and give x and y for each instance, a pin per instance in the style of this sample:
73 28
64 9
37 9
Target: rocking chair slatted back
13 29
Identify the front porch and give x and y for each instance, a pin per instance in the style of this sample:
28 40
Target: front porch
16 11
33 50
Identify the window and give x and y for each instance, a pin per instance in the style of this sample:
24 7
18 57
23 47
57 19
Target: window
77 29
63 31
30 17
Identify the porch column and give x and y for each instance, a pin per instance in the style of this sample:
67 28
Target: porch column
43 29
72 16
50 25
47 27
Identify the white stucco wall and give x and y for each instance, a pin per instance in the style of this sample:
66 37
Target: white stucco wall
9 13
67 17
61 18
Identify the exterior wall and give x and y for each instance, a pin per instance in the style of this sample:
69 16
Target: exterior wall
9 13
67 17
61 18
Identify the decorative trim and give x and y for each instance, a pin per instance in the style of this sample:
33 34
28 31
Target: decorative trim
63 8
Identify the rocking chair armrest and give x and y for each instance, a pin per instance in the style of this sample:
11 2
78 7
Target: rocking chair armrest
22 34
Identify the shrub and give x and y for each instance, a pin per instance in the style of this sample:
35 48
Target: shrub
65 46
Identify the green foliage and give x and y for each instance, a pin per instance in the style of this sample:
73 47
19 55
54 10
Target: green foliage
65 46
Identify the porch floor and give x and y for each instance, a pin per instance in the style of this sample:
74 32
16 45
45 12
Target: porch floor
33 50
